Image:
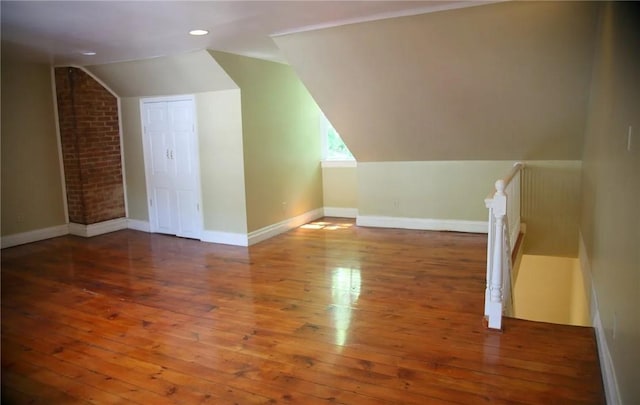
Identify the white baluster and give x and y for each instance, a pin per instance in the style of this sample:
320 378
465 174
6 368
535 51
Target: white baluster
496 274
490 242
507 298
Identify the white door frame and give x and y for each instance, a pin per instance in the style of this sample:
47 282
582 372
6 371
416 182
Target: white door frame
147 157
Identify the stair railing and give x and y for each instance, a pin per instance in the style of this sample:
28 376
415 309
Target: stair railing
504 227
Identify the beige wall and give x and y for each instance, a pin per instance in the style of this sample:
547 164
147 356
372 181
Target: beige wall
340 187
280 123
134 159
610 223
505 81
32 192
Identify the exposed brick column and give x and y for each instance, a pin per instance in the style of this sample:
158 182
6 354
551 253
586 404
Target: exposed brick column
90 137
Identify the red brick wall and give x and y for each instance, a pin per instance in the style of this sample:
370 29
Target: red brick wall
88 118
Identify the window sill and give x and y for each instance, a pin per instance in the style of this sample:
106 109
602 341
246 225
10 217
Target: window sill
339 163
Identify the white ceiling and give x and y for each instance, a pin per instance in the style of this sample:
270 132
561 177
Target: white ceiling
57 32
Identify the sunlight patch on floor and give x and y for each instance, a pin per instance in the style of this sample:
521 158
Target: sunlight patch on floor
329 226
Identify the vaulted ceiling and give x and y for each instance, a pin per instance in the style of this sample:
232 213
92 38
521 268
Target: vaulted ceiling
58 32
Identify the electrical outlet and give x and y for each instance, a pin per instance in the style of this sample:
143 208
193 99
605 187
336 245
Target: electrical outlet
396 203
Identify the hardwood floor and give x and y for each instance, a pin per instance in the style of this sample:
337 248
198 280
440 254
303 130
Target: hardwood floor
339 314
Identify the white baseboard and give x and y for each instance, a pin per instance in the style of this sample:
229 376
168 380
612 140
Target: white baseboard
283 226
339 212
585 269
606 363
226 238
609 378
99 228
426 224
34 236
138 225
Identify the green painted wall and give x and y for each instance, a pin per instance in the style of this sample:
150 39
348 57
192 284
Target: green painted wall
221 165
282 149
32 192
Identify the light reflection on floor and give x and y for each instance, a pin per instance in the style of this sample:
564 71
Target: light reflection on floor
345 290
345 285
329 226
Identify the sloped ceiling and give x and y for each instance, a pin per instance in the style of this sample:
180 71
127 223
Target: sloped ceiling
194 72
61 32
500 81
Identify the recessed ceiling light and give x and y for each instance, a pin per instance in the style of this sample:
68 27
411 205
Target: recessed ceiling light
198 32
88 53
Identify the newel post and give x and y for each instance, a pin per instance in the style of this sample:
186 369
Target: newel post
495 286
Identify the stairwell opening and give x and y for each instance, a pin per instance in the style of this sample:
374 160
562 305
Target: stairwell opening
551 289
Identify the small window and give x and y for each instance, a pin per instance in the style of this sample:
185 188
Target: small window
334 149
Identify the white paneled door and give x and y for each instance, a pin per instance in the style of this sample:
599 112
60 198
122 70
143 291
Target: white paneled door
171 165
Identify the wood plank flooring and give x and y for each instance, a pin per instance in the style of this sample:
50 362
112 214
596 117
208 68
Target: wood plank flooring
325 314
